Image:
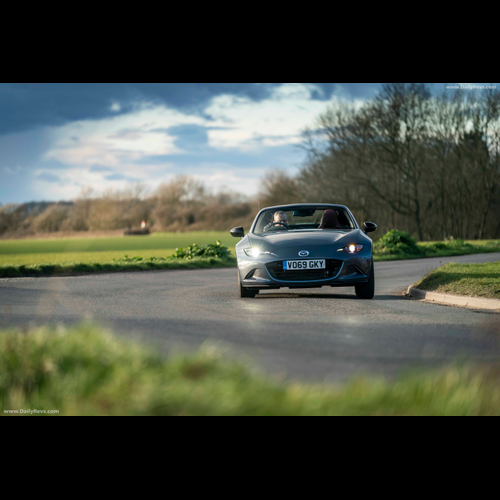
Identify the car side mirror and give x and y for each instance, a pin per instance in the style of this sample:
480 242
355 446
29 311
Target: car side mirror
369 227
237 232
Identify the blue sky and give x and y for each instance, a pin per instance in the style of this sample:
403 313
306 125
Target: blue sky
56 139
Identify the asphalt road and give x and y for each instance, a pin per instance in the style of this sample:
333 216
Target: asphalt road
317 334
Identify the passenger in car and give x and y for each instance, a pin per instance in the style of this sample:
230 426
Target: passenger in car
329 220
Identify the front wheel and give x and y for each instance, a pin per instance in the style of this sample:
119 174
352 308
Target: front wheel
246 293
367 291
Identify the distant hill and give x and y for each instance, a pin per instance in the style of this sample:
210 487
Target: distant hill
37 207
18 219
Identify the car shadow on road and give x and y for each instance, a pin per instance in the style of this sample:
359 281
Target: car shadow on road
293 295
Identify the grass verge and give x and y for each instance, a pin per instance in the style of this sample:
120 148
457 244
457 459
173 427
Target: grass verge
428 251
471 280
398 245
87 371
72 268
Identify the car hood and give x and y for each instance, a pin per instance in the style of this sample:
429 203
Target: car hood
287 244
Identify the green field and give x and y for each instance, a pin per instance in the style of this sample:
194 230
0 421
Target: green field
87 371
66 250
472 280
76 255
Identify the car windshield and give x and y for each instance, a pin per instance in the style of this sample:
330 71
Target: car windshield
303 219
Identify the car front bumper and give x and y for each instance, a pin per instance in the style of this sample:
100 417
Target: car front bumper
345 270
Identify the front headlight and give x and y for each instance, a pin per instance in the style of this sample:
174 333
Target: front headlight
255 252
351 249
252 252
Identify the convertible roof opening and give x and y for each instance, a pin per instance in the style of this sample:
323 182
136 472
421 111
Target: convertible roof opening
304 218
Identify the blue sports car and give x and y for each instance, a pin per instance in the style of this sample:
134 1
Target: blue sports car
305 246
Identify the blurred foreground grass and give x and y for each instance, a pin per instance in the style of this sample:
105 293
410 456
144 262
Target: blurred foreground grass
472 280
87 371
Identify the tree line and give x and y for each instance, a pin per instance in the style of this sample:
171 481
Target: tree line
183 204
407 159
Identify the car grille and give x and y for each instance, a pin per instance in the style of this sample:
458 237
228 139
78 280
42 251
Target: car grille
275 269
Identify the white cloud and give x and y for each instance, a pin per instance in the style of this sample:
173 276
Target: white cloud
115 107
232 123
248 125
218 177
73 179
118 140
13 170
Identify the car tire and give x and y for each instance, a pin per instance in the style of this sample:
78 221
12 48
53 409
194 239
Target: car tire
245 293
367 291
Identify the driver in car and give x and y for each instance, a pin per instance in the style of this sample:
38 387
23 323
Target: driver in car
280 222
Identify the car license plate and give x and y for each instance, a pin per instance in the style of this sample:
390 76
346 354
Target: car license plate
303 265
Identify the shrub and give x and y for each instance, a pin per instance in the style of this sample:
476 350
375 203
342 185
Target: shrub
216 249
397 243
457 243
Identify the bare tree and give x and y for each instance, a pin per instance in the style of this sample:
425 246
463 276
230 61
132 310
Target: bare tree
278 188
425 163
